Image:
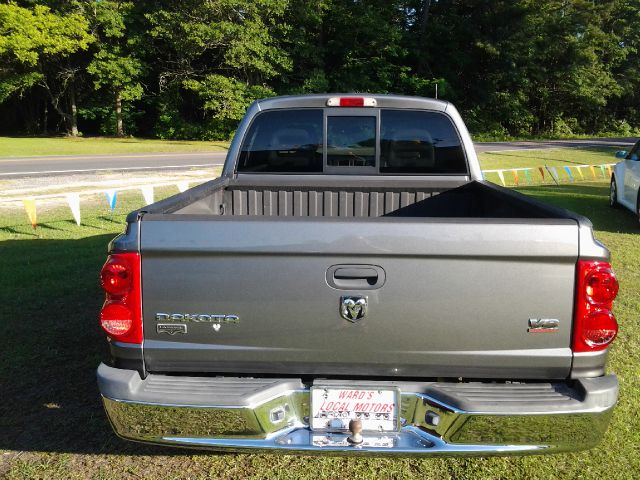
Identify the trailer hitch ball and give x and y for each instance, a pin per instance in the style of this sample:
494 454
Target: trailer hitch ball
355 427
432 418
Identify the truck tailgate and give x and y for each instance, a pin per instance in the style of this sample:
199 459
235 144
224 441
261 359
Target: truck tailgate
456 300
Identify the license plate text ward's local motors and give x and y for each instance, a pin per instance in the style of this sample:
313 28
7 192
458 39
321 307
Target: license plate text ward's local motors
332 408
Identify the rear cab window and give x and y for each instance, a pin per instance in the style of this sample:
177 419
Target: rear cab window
415 142
284 141
352 141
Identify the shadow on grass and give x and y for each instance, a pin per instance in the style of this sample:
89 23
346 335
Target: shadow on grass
31 232
52 346
110 218
95 227
18 231
46 226
590 200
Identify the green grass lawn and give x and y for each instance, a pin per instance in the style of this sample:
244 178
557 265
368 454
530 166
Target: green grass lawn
36 146
52 424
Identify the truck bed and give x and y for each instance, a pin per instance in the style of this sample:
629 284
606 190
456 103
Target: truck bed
448 199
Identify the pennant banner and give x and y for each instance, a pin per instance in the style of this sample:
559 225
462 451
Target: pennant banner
568 170
111 198
30 207
73 199
147 193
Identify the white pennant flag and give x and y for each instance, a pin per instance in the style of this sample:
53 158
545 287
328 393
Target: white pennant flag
182 186
147 193
73 199
501 175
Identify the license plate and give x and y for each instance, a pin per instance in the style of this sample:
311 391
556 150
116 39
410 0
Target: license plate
333 407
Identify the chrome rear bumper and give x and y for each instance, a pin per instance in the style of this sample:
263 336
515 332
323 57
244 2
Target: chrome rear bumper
241 414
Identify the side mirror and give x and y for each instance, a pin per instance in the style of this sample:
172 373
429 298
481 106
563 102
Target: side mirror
621 154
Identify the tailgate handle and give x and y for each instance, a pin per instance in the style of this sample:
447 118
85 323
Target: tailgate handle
355 277
356 273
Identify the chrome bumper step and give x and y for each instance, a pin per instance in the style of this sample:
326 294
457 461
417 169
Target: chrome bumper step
242 414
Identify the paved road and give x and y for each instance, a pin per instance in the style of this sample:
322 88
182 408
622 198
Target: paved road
31 166
38 166
535 145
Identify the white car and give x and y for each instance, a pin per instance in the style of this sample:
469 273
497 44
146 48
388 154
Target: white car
625 181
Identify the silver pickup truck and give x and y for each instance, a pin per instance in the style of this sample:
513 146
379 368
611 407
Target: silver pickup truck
350 284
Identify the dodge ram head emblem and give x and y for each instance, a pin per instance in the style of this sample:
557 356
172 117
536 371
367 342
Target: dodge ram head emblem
353 308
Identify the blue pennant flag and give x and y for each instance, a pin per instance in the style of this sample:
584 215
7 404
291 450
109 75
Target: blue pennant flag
111 198
568 170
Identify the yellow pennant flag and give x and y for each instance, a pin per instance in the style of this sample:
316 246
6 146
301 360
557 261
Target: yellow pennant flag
30 207
501 175
609 170
593 171
580 172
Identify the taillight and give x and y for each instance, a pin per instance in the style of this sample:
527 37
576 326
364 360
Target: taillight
601 285
121 315
595 327
115 277
116 319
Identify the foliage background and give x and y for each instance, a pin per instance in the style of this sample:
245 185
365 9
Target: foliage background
189 69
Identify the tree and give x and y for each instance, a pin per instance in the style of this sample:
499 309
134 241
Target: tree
117 73
364 48
34 46
189 69
526 67
115 66
624 112
214 56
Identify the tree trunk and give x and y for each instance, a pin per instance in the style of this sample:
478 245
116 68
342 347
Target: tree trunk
55 103
422 67
424 17
119 126
73 118
45 119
